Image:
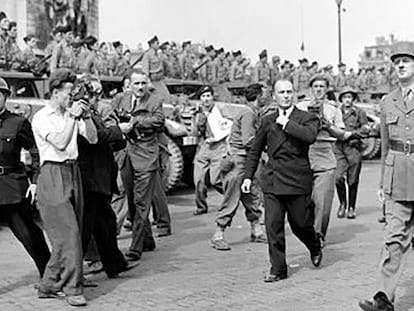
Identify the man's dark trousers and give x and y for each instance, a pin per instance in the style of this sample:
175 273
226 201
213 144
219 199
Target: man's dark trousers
300 213
99 220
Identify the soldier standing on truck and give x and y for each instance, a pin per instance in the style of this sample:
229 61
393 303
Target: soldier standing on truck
237 70
221 68
62 56
187 61
29 59
15 54
208 72
119 64
301 78
262 71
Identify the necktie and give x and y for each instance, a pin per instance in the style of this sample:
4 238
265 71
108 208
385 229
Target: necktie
284 112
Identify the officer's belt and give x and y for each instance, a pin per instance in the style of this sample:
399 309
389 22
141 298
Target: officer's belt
400 146
4 170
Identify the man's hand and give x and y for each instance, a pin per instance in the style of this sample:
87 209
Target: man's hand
77 109
347 135
282 120
381 195
31 191
246 185
125 127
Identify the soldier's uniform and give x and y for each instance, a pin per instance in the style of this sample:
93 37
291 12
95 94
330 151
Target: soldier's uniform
119 65
15 55
4 41
262 72
208 72
236 72
15 134
349 157
102 64
301 79
323 161
62 57
29 58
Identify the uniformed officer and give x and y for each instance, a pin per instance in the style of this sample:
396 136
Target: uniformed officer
321 155
187 61
119 64
208 72
240 139
214 129
348 153
62 56
221 66
237 70
153 68
301 78
29 58
262 72
397 173
15 190
341 79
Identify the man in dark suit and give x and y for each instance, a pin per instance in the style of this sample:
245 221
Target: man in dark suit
286 179
140 162
99 172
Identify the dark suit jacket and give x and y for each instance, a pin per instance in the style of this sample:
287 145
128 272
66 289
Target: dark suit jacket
287 172
96 161
148 119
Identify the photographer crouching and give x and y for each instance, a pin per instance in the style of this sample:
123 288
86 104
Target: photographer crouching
99 173
60 197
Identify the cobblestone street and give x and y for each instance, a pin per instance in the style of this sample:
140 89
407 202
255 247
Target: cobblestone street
185 273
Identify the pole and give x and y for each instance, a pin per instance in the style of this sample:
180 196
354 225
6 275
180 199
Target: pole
339 3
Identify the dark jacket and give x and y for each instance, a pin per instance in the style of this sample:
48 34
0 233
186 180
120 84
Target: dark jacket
287 172
15 134
96 161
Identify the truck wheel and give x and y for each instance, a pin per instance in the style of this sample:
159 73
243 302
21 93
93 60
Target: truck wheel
175 166
370 147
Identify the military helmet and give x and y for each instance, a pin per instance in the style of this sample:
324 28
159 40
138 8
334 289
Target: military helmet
347 90
403 48
4 87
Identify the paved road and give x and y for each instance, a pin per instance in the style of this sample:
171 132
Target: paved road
185 273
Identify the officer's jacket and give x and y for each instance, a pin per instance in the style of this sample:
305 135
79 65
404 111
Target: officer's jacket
62 57
119 65
287 172
236 72
152 65
262 73
15 134
208 72
301 80
397 167
222 70
148 118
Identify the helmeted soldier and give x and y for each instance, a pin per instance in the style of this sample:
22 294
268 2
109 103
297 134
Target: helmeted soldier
15 190
348 153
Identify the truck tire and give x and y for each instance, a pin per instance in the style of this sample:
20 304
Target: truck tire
175 166
370 147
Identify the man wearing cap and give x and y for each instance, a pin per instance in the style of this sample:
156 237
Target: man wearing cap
62 56
397 173
60 198
286 178
237 70
274 70
213 129
220 66
341 79
301 78
119 65
261 72
16 191
348 153
208 72
186 60
321 155
29 58
240 139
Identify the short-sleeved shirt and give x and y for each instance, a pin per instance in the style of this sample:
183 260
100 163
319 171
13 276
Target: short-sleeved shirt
47 121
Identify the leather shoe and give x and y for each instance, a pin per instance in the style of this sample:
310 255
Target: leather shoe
76 300
199 212
132 255
316 259
43 293
380 303
270 278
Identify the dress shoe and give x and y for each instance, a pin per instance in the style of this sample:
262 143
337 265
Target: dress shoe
93 267
341 210
76 300
220 244
351 213
132 255
43 293
148 247
199 212
270 278
258 238
380 303
316 259
130 265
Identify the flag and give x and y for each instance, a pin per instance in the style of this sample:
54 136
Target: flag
302 47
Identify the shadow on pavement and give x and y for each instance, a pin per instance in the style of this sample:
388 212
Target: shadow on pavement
342 234
26 280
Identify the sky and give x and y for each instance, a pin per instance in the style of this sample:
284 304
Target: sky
277 25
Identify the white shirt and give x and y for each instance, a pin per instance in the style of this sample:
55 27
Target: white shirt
287 111
47 121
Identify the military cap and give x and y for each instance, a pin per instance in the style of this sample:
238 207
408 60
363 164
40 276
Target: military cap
219 51
314 63
319 77
237 53
77 43
164 45
347 90
90 40
303 60
263 54
275 58
28 38
116 44
402 48
12 24
341 65
205 89
153 40
185 43
4 87
227 54
209 48
252 91
59 77
2 15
